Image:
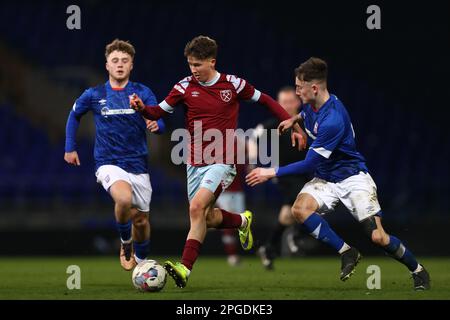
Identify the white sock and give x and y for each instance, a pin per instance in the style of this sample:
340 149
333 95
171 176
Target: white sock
344 248
419 268
244 221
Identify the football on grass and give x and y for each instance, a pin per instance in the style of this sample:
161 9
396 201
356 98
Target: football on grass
149 276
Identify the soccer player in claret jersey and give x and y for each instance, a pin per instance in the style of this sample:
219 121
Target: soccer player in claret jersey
120 149
340 175
211 99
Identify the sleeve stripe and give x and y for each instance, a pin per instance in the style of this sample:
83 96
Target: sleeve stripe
256 96
185 82
240 87
310 134
74 106
235 81
180 89
323 152
166 107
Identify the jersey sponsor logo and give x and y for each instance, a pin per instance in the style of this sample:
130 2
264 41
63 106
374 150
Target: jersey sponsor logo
195 94
226 95
102 102
316 126
107 112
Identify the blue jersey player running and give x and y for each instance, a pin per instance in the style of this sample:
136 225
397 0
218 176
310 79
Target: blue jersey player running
120 149
340 174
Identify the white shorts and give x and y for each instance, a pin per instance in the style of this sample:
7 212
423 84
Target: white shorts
214 177
140 184
232 201
358 193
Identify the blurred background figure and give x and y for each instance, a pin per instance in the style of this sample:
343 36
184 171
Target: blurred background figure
288 186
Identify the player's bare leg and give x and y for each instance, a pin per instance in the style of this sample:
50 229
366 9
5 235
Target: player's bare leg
395 248
198 208
121 193
286 219
141 225
140 234
304 211
203 215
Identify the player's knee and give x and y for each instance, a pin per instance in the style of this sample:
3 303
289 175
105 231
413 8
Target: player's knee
301 211
123 201
196 211
140 220
380 238
212 219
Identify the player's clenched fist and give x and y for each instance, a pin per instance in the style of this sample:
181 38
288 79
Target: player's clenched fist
72 158
136 103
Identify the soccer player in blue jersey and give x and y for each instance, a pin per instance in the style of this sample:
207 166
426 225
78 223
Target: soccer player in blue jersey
120 149
340 174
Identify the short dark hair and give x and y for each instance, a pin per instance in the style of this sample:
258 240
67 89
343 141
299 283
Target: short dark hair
201 47
120 45
312 69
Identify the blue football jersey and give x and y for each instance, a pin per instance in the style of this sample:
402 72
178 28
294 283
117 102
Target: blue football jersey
332 135
120 131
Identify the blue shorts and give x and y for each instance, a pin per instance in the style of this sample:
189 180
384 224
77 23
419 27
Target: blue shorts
214 177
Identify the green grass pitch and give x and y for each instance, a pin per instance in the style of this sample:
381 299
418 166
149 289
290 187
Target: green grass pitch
212 278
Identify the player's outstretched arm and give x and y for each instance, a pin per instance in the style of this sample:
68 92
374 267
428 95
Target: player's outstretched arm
261 175
148 112
274 107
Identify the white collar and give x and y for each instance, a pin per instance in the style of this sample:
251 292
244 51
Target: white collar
212 81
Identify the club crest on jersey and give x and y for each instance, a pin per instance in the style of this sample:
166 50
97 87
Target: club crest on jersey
104 112
102 102
226 95
316 126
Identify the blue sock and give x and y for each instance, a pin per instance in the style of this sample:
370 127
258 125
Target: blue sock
320 229
124 230
396 249
141 249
